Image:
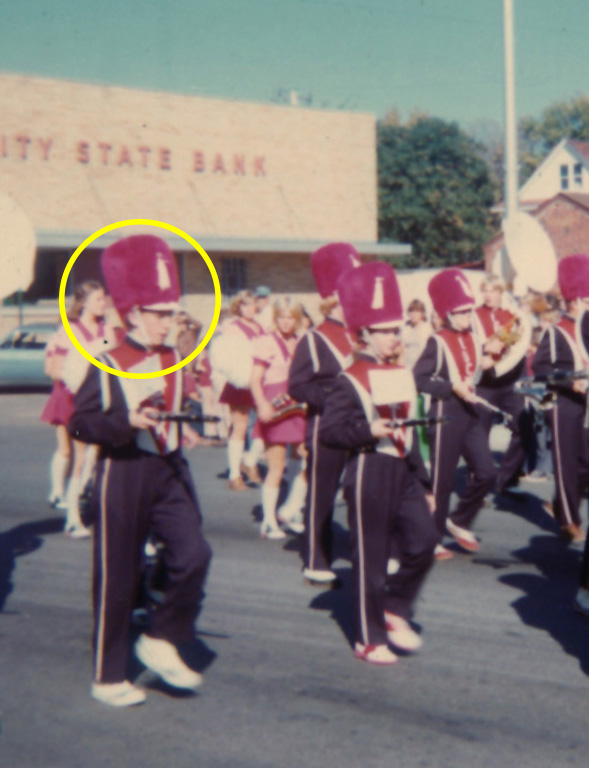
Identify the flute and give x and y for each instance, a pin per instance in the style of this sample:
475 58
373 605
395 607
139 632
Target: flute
187 418
507 417
421 422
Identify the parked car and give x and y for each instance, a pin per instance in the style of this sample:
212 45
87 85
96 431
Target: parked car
22 357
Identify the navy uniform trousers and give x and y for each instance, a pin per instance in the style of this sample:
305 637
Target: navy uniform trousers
570 453
570 438
463 435
139 494
312 376
506 398
387 511
324 469
384 496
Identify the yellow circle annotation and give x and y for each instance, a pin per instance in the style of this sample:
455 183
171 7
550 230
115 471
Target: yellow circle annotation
129 223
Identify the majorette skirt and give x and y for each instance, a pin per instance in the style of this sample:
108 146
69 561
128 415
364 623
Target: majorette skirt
289 430
59 407
236 397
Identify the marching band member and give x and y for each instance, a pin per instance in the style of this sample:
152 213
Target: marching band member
320 356
143 484
497 384
235 344
448 370
273 354
86 317
581 603
386 500
561 348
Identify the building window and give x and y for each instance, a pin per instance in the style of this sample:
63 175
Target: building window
578 173
564 177
233 276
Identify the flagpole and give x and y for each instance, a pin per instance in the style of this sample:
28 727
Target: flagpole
511 167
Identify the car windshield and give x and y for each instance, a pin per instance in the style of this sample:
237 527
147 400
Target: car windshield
26 340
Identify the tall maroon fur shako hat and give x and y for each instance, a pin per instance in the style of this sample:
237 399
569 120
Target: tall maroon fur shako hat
140 271
573 276
370 296
329 262
450 291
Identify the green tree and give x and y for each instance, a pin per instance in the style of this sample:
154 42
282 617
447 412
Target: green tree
566 119
434 191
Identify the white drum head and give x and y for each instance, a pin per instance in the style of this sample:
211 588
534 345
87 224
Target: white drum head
17 247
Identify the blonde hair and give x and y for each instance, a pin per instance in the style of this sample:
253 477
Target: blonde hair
81 293
328 305
288 304
242 297
493 282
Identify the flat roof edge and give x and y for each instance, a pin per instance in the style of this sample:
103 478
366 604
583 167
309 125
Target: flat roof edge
71 240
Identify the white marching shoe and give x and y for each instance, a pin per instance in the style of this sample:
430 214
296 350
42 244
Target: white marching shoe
123 694
379 655
581 604
78 531
162 658
292 519
400 634
270 530
319 577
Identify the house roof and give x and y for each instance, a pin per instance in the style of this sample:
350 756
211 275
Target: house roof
576 198
582 147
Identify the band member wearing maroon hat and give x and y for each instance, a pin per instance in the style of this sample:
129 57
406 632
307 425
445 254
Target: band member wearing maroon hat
320 356
385 478
448 370
143 485
497 384
581 603
561 348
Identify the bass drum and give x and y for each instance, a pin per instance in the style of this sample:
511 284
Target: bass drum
531 253
231 355
18 247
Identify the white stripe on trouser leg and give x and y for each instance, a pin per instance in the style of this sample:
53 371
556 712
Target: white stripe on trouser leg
312 495
437 451
103 579
363 619
557 469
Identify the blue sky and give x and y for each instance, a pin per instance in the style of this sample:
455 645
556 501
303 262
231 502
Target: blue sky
443 57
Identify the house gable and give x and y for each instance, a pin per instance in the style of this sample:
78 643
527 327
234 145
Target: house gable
566 169
565 217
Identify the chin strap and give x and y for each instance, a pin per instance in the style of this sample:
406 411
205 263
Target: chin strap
138 332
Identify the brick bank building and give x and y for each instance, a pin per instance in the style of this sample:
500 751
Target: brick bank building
258 186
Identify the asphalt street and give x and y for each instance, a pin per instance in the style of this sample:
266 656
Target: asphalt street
502 679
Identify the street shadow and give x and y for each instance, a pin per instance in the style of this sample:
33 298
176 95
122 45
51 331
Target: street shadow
548 595
18 542
528 507
338 602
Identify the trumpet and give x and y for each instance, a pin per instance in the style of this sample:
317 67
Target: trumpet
285 407
508 334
